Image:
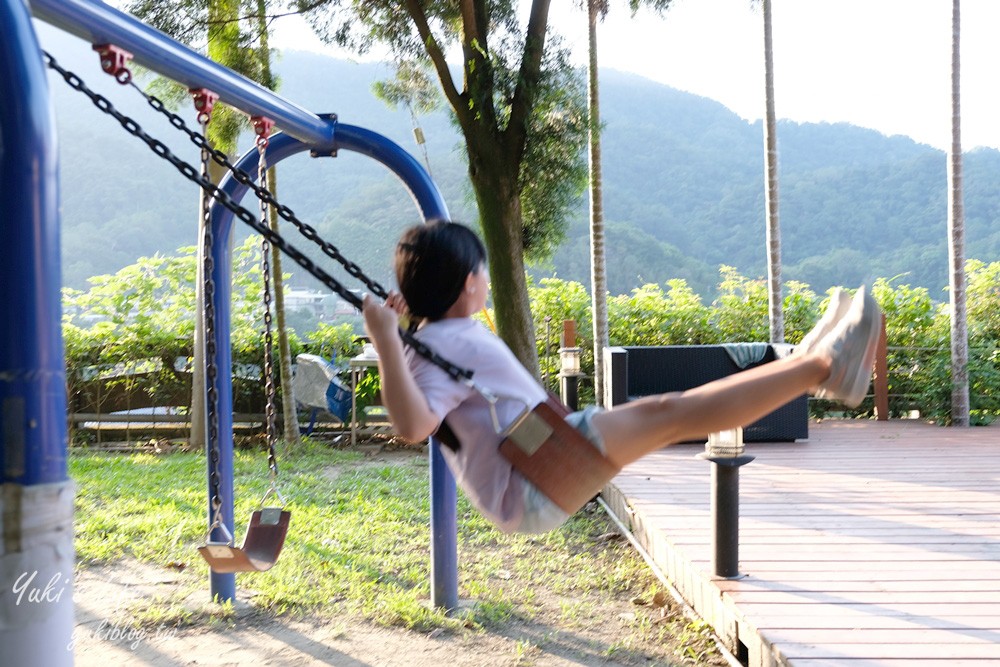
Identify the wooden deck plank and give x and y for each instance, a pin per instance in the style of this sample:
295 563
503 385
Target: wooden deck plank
795 652
906 662
946 637
803 596
786 582
869 544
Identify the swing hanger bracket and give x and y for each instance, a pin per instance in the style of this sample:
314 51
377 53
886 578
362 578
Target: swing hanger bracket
227 537
262 128
331 152
204 102
273 491
114 61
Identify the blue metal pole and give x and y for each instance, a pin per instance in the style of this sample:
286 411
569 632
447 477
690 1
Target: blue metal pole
36 502
99 23
444 532
444 535
32 366
222 586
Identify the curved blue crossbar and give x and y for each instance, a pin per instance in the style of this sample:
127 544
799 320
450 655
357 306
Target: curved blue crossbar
444 522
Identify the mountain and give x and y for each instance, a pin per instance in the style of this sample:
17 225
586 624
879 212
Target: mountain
683 186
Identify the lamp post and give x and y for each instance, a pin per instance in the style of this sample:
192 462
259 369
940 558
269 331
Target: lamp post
725 450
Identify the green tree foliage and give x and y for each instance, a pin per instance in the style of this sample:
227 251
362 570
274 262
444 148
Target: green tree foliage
140 321
673 317
411 87
521 111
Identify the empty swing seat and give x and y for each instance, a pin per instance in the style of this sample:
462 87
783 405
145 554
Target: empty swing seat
262 544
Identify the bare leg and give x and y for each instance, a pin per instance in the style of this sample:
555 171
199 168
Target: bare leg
634 429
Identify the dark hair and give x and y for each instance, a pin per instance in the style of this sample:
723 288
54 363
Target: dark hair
432 262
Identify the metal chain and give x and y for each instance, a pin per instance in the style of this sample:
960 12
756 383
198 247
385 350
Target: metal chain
208 318
159 148
265 268
265 195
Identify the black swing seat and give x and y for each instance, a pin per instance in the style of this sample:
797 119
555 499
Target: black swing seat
564 465
264 538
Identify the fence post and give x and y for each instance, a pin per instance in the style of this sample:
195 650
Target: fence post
882 376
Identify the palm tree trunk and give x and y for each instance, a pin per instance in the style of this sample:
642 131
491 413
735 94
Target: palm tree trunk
598 275
773 234
289 415
198 435
956 241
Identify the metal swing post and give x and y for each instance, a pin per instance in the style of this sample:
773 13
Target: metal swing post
36 495
216 268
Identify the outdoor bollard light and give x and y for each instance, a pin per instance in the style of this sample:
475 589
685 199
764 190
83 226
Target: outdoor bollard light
569 376
726 452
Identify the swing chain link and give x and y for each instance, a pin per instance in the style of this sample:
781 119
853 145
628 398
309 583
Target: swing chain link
208 318
243 178
454 371
265 267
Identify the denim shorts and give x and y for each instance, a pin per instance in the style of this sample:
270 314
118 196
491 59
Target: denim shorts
541 514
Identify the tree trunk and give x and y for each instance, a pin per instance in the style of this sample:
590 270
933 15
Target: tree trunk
500 216
773 235
198 436
956 240
289 414
598 275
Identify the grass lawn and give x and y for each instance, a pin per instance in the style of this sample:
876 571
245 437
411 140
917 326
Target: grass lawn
358 547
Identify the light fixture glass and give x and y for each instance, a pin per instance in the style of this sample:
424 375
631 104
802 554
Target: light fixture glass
725 444
569 360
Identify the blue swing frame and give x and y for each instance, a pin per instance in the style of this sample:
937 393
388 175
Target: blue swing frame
31 282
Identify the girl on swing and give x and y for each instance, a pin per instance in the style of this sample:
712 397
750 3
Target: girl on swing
441 273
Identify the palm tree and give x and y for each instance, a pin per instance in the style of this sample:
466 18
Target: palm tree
596 10
288 412
773 229
956 240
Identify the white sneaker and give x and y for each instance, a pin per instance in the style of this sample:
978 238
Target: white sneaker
851 347
840 303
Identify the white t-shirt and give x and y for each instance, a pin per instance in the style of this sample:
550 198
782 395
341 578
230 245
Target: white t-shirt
485 476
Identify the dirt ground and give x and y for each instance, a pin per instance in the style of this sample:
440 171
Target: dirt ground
106 599
104 635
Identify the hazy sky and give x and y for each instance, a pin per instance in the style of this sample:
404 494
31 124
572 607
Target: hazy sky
881 64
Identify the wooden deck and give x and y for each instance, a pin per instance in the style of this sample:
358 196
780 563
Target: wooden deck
871 543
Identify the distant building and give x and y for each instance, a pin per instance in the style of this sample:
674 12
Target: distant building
305 299
321 305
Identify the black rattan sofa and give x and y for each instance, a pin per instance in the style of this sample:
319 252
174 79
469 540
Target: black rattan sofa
632 372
